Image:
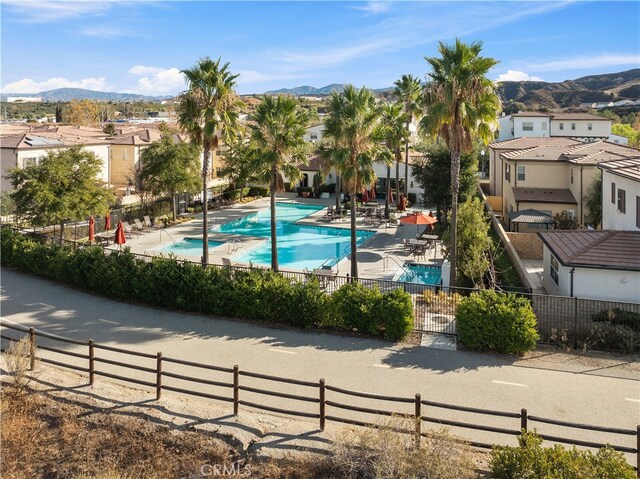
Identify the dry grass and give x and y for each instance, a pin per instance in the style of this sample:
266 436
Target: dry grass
17 363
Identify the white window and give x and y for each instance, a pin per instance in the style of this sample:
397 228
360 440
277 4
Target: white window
544 125
527 126
507 172
562 126
554 269
622 200
573 126
30 161
520 173
589 126
314 136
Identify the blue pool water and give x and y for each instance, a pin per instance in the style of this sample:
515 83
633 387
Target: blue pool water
299 246
421 274
187 247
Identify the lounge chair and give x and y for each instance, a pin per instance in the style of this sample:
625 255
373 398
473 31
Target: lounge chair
140 226
129 230
148 224
227 262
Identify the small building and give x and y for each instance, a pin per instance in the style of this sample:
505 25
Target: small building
621 194
601 264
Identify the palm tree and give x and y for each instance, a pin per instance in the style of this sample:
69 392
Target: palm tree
462 103
279 125
352 127
208 111
408 90
395 133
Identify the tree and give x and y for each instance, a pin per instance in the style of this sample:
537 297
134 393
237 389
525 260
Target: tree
352 126
462 103
393 126
81 113
170 166
109 129
408 90
433 174
474 244
208 111
627 131
594 201
63 187
279 125
565 220
59 114
240 163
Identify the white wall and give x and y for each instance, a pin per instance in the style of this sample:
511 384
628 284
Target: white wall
540 126
504 127
612 218
598 128
618 140
594 283
314 133
102 152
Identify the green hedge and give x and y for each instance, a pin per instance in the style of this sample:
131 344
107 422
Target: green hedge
495 321
531 460
620 317
254 294
259 191
232 194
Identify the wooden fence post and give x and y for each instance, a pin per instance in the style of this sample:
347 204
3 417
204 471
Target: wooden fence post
418 418
236 389
523 419
91 362
158 375
323 414
32 349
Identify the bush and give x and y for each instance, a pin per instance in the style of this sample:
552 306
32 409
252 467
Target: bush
619 317
260 295
288 187
245 191
304 189
396 312
259 191
441 302
330 188
412 197
233 195
531 460
494 321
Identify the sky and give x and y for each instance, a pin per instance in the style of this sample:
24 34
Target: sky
140 46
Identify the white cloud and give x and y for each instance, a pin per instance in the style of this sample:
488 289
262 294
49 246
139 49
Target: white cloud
587 62
375 7
108 31
516 75
45 11
157 81
140 70
27 85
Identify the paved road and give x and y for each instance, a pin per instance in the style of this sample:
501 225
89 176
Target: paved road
587 391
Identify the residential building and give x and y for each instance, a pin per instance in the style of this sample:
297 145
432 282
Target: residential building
601 264
621 194
552 179
314 133
585 127
124 155
24 99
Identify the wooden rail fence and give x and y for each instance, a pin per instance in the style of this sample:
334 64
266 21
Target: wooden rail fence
423 411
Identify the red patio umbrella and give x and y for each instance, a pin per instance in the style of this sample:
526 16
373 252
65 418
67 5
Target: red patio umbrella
402 203
373 192
365 197
107 221
92 229
418 219
120 239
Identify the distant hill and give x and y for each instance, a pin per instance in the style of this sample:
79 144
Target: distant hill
67 94
570 93
313 91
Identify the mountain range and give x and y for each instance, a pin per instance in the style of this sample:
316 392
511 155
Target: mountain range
535 94
68 94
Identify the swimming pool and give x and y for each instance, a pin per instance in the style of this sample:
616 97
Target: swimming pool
420 274
187 247
299 246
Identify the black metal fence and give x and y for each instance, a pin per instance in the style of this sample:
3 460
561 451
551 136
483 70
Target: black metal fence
567 322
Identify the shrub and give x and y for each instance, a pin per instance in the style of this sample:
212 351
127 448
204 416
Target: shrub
356 306
232 194
396 312
330 188
441 302
304 189
18 363
531 460
618 316
258 191
288 186
412 197
502 322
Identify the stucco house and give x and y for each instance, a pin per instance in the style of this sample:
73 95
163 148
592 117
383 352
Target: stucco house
585 127
601 264
621 194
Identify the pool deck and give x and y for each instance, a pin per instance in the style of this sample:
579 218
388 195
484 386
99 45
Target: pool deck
380 257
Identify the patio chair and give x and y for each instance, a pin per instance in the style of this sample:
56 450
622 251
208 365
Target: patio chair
140 226
147 222
407 245
227 262
129 229
420 251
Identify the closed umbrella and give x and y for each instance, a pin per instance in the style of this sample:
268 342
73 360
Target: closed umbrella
92 229
373 192
402 203
365 197
107 221
120 238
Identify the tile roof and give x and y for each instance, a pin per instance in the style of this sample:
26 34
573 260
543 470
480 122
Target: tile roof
543 195
530 216
532 113
529 142
313 164
608 249
579 116
577 153
629 168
